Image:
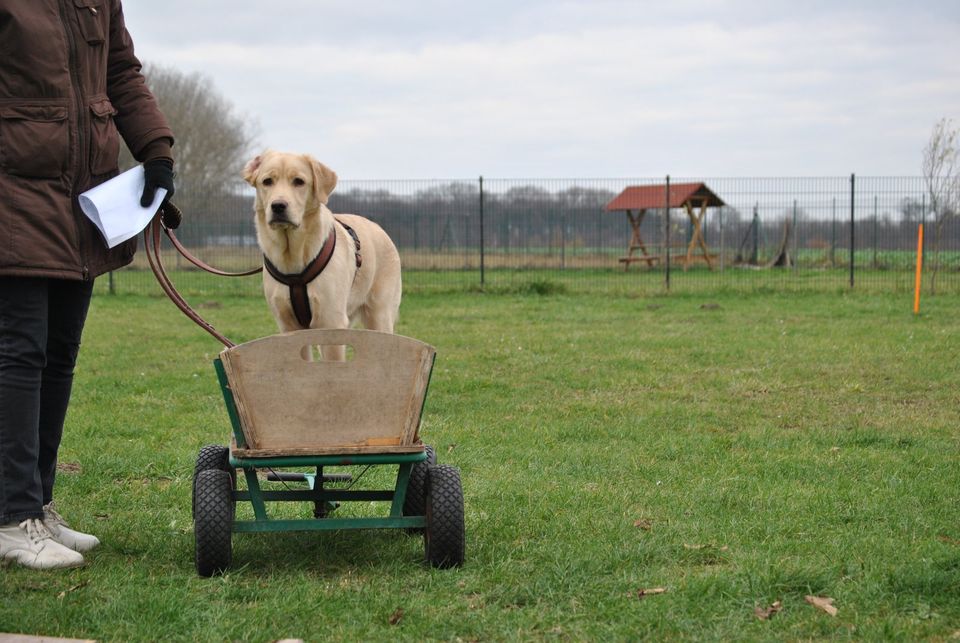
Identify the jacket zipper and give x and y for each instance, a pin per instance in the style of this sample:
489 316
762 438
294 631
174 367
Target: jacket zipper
81 139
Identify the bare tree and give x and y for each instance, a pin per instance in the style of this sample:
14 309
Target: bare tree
212 140
941 174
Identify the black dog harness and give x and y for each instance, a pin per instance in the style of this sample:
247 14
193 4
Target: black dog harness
298 283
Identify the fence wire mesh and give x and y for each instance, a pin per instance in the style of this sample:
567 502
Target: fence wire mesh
778 234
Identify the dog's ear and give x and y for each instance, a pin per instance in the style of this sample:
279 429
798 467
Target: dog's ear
324 180
250 169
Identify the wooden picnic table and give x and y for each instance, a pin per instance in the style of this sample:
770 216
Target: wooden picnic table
694 198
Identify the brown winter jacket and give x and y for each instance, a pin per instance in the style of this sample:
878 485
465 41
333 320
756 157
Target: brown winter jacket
69 82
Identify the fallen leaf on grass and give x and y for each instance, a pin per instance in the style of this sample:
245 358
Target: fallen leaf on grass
475 601
822 603
643 524
62 594
643 593
101 516
764 614
68 467
451 448
396 616
947 539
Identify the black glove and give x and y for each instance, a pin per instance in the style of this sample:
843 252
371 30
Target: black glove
157 173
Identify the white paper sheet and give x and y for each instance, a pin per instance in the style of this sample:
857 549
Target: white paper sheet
114 206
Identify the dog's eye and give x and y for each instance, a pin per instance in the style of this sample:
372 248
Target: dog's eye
299 182
268 181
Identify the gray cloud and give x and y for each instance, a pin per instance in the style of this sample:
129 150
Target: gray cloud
604 88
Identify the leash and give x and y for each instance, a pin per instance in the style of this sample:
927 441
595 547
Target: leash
296 283
151 242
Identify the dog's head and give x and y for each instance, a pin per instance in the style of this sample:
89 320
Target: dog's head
289 187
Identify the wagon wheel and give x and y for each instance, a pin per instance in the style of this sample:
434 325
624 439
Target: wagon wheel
213 521
212 456
444 537
415 502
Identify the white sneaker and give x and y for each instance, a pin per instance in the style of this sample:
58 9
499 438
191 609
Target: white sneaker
75 540
32 545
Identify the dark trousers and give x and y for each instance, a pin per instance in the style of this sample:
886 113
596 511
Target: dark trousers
41 321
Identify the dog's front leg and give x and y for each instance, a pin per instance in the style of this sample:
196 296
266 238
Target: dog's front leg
332 352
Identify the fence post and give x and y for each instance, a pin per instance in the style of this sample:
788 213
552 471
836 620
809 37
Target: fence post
416 229
563 240
722 249
666 220
755 233
923 220
853 191
111 290
833 235
482 249
875 224
796 236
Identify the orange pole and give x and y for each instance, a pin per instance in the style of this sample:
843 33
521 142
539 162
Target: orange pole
916 287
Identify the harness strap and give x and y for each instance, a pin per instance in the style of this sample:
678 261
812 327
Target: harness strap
356 242
298 283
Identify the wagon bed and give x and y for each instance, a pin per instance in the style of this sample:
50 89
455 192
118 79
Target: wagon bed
285 399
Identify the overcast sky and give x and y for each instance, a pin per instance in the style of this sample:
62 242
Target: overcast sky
600 88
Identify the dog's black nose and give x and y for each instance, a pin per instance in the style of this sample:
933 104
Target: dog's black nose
278 207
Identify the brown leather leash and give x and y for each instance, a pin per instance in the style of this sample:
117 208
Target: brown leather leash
296 283
151 242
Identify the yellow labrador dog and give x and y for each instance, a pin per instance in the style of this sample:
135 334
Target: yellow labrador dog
320 270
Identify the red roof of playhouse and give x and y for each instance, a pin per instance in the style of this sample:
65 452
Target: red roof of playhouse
642 197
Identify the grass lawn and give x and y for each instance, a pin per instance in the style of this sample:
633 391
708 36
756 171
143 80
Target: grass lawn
735 450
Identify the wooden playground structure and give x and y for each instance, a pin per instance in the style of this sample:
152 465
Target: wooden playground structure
694 198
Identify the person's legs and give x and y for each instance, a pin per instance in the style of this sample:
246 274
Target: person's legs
23 340
40 325
68 305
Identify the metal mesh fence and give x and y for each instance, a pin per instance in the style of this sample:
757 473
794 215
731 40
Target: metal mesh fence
825 233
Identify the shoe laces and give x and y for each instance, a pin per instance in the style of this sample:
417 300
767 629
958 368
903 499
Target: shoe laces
51 515
36 530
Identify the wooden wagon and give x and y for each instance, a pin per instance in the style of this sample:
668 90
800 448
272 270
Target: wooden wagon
292 408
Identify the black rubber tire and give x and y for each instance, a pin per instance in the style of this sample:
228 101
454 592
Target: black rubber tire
444 538
213 521
212 456
415 502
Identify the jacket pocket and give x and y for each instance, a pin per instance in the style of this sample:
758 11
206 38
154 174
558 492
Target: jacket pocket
104 138
34 140
91 14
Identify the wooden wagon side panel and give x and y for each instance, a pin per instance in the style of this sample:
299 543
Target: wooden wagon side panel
291 401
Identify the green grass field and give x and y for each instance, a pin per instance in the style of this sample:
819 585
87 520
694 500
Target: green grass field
734 450
638 281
